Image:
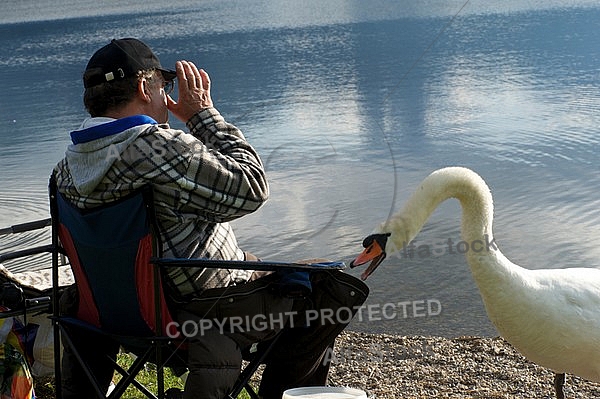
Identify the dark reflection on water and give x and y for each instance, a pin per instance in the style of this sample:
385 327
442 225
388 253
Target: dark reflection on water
351 108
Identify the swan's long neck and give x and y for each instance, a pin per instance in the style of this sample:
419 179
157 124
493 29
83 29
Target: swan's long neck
547 315
460 183
488 265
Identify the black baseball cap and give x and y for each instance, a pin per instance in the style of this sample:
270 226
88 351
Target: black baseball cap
120 59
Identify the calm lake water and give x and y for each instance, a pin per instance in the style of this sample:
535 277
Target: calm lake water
351 104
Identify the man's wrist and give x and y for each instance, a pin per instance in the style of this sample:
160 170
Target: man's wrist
201 118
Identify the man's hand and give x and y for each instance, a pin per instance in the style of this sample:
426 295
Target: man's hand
194 91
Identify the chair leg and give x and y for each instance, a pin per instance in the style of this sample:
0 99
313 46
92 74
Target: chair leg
57 361
160 376
67 341
129 377
251 392
559 383
250 369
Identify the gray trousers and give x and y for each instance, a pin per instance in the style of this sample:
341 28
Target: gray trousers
253 312
222 324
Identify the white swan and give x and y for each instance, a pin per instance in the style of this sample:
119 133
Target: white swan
551 316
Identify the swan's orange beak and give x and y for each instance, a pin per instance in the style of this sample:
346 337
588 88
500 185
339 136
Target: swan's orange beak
374 251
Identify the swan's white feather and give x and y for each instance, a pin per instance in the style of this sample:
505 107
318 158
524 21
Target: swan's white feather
552 316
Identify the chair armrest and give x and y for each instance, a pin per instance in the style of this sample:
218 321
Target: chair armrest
26 252
39 308
246 265
23 227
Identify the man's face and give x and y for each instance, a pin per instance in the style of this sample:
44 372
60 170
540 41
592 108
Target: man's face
157 108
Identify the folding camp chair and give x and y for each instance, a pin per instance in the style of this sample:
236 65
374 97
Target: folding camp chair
26 348
16 295
117 263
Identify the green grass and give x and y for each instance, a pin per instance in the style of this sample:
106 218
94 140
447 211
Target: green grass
147 377
44 387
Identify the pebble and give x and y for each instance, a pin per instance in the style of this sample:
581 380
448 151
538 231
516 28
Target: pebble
390 366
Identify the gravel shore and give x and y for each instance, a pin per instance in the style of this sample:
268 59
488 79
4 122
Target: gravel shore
410 367
390 366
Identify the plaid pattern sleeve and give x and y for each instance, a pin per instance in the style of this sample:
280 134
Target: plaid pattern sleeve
202 180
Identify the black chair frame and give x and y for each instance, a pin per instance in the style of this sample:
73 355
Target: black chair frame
160 347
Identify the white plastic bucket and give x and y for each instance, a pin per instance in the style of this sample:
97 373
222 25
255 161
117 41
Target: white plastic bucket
324 393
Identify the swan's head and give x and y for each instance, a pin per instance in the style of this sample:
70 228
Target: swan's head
374 252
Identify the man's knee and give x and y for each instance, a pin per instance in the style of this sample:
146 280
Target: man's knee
335 290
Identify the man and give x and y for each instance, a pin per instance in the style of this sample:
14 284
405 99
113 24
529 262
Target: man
202 180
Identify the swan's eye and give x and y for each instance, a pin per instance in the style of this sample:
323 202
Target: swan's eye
368 241
380 238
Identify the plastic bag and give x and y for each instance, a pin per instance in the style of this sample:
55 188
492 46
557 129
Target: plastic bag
16 381
16 341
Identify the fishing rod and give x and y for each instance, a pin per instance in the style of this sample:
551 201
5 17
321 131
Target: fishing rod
397 85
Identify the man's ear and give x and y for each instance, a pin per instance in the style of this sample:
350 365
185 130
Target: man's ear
144 90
